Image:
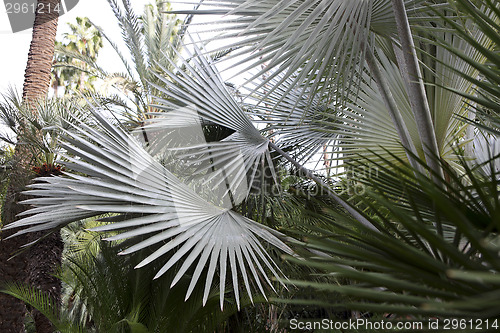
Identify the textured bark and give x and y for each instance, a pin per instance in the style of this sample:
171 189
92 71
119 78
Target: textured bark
41 54
36 86
12 310
44 258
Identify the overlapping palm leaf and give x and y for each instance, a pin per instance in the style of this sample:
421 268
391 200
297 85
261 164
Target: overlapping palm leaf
366 125
292 120
121 177
294 50
197 97
437 254
455 76
323 41
484 17
363 125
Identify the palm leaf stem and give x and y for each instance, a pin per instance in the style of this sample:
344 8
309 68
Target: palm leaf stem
418 98
306 172
391 105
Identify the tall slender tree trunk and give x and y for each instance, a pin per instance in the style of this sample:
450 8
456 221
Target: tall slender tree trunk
41 53
45 255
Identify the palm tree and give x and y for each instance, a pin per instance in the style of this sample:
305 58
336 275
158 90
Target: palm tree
180 192
85 41
40 262
150 39
38 132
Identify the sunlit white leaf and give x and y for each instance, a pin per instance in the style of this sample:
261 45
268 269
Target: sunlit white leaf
123 178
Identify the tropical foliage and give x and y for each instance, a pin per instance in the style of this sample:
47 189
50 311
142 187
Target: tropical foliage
109 295
399 87
68 70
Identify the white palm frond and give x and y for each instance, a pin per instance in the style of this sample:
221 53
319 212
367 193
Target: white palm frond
292 120
121 177
362 126
200 86
450 75
224 170
366 126
196 96
486 147
323 41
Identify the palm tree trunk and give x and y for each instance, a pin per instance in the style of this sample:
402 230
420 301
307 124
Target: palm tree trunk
46 255
41 53
418 97
40 259
44 258
12 310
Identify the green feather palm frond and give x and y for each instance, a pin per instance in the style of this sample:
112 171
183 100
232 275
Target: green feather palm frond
437 252
43 303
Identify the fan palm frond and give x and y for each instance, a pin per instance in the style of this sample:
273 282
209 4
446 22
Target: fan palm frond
197 95
201 87
291 119
124 179
322 41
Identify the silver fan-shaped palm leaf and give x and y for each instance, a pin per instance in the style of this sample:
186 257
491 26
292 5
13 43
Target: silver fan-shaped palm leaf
323 41
197 96
200 87
123 178
297 124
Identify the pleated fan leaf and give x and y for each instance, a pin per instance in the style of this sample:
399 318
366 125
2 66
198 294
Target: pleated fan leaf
153 204
195 96
322 40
